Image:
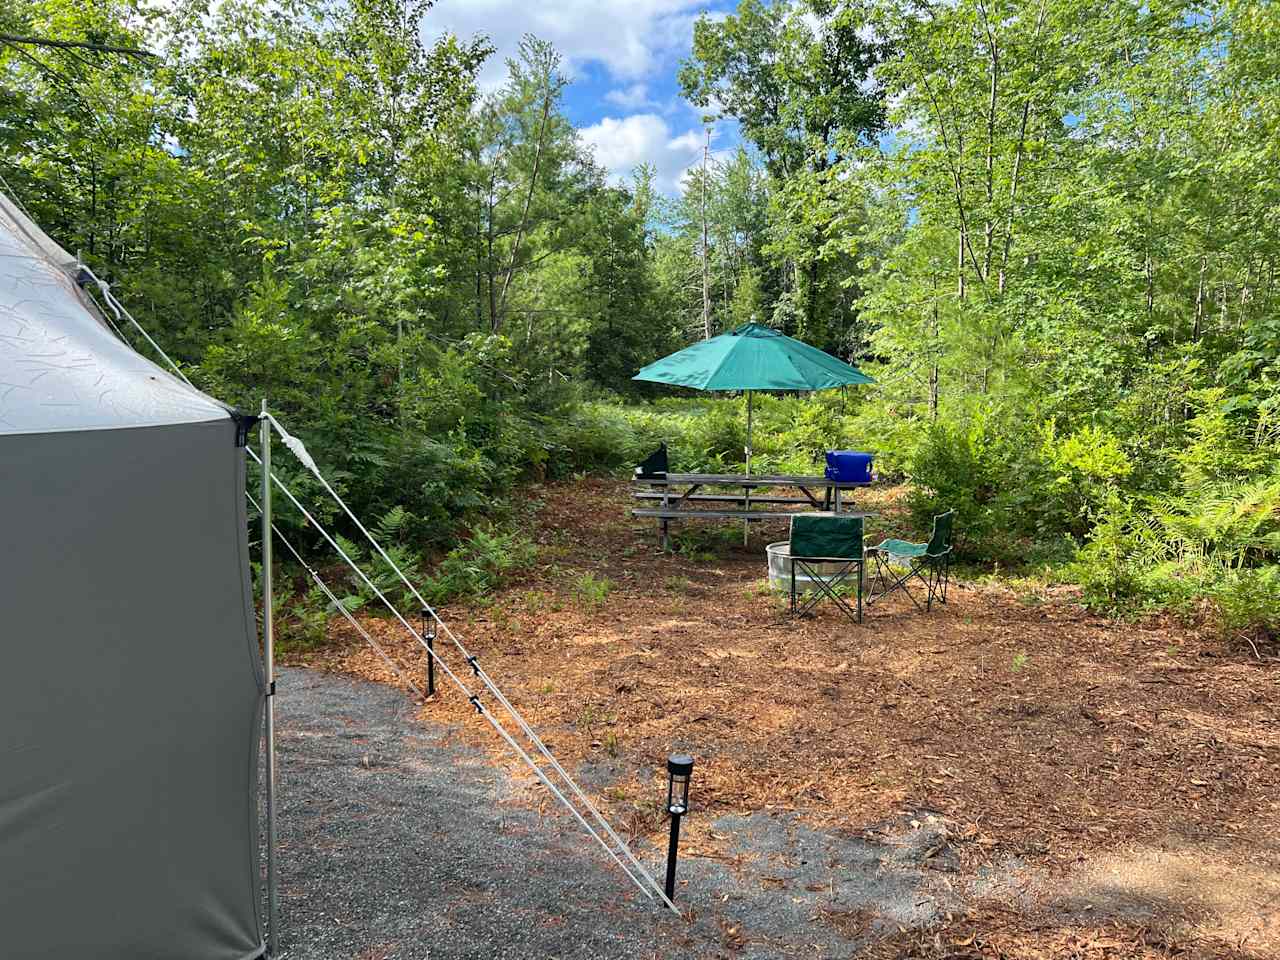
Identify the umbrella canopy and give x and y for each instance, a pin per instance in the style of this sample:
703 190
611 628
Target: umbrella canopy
752 357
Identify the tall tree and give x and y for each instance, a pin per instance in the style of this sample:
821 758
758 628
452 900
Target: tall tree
530 167
798 76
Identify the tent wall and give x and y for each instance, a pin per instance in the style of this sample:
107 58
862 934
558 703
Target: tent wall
131 697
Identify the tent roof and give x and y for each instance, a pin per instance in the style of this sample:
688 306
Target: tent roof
61 367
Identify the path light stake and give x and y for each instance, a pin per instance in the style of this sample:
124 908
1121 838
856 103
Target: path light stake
679 771
429 634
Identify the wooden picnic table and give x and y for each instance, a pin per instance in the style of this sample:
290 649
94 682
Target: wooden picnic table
679 497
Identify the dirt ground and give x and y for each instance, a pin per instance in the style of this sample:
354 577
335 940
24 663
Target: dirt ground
1106 789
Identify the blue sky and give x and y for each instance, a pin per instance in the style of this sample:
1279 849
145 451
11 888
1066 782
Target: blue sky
622 57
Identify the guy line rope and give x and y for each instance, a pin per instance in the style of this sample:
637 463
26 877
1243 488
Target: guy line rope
396 668
638 874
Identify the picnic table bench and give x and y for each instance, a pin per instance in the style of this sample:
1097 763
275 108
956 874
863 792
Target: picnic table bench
679 497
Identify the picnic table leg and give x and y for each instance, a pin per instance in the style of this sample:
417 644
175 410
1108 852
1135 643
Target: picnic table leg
666 505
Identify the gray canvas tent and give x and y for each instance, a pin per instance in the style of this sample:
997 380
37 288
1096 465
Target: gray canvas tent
131 685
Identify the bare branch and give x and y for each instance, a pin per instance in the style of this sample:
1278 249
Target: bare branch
78 45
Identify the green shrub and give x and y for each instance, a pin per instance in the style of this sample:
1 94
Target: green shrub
479 564
1248 601
1016 489
474 567
592 590
892 438
704 543
968 467
596 436
1220 543
706 433
302 621
1067 479
391 531
1111 567
1221 443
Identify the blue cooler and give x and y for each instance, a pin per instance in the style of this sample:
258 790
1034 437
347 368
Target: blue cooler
849 466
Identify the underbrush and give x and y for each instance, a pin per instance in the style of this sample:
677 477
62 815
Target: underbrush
707 434
1024 494
1208 555
1210 548
592 590
475 568
706 543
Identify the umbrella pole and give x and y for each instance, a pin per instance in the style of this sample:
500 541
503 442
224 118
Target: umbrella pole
747 490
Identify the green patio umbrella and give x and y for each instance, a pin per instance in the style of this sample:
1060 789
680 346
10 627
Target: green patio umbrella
752 357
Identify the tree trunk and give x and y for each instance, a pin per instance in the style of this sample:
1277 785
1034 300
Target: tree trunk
955 157
1199 318
528 201
811 298
988 226
933 359
706 266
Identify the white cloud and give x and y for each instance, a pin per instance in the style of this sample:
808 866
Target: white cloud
634 97
689 140
623 143
629 37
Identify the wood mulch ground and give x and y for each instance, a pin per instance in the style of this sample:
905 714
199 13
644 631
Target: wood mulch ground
1128 773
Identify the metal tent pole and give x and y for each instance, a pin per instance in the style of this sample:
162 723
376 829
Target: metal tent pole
268 649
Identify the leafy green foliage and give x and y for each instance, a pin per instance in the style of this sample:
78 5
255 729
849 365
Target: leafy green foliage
1216 536
706 543
475 567
592 590
798 76
1049 230
307 201
791 433
478 565
1013 487
967 468
301 621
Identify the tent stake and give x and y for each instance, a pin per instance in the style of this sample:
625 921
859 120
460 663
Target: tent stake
268 651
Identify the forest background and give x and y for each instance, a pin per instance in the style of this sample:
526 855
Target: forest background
1049 229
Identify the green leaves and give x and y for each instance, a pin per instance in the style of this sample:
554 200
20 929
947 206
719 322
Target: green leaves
798 77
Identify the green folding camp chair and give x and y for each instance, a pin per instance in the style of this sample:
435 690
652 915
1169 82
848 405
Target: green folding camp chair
929 563
828 550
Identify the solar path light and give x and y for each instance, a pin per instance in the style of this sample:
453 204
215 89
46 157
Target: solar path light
429 635
679 772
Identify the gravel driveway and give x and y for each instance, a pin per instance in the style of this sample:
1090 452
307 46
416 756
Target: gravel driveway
397 842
